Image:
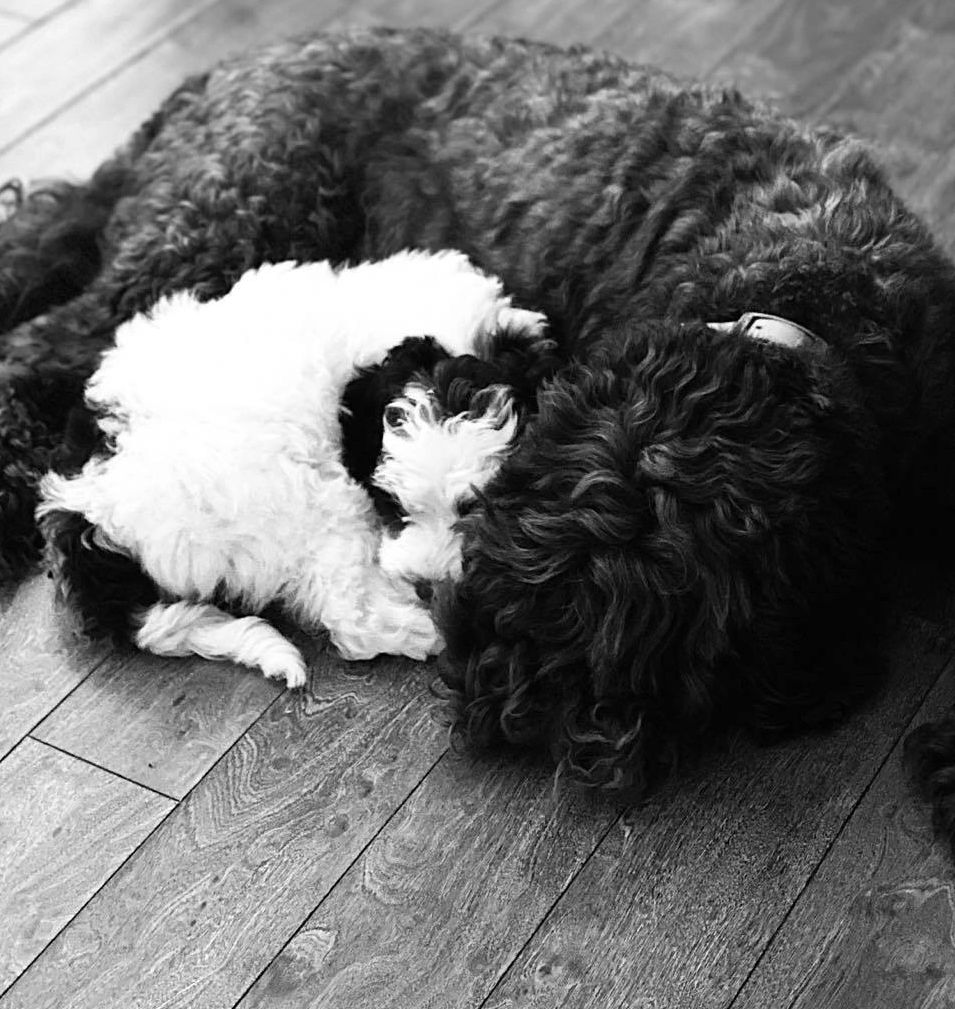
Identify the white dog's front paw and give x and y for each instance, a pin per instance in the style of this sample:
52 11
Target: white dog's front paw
288 666
520 320
422 639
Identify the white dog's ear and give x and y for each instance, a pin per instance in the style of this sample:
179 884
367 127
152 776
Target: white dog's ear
432 462
412 413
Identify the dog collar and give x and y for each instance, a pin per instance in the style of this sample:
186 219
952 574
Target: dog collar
771 328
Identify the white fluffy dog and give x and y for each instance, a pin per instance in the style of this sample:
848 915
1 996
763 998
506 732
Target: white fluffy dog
222 482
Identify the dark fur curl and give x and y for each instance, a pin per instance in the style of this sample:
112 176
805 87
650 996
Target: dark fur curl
662 553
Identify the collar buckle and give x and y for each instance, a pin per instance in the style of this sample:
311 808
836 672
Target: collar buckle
769 328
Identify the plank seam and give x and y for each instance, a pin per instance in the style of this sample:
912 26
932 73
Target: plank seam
945 666
547 914
125 861
331 889
827 107
108 770
6 991
134 57
31 26
46 714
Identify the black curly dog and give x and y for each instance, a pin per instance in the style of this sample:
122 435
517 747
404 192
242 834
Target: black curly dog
685 528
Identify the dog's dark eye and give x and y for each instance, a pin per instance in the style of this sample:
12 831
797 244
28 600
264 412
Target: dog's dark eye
424 590
392 416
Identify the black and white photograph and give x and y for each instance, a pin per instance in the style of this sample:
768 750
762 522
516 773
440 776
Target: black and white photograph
477 504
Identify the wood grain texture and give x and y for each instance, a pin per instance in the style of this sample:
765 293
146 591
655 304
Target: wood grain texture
92 39
40 660
445 898
876 925
64 827
162 723
76 141
546 20
798 54
410 13
685 37
10 26
213 895
36 10
679 900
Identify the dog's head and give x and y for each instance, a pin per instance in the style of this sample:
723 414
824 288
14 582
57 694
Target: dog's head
443 440
678 512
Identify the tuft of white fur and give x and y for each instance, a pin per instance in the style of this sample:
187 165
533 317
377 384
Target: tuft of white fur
226 474
433 464
202 629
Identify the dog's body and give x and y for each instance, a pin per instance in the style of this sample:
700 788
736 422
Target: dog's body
224 480
628 208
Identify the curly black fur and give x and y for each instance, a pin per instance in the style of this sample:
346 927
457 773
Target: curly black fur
663 551
607 196
510 359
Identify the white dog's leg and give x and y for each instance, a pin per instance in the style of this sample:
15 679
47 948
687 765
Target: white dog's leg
185 628
388 620
520 320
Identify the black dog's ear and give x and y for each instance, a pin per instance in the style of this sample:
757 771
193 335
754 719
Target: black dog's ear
511 359
525 364
369 393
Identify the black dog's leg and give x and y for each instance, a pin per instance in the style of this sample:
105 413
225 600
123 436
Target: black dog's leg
50 248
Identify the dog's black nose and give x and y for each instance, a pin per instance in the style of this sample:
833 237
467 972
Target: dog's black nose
425 591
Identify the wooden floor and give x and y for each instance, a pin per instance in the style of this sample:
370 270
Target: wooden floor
182 834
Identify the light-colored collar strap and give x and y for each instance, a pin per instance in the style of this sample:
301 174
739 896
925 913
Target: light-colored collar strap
771 328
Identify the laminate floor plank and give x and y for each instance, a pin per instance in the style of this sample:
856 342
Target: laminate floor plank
162 723
38 10
41 661
686 37
10 27
876 925
205 904
680 899
800 53
456 15
64 828
439 905
547 20
86 43
75 141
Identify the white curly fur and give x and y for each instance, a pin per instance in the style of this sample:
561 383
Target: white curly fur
227 475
